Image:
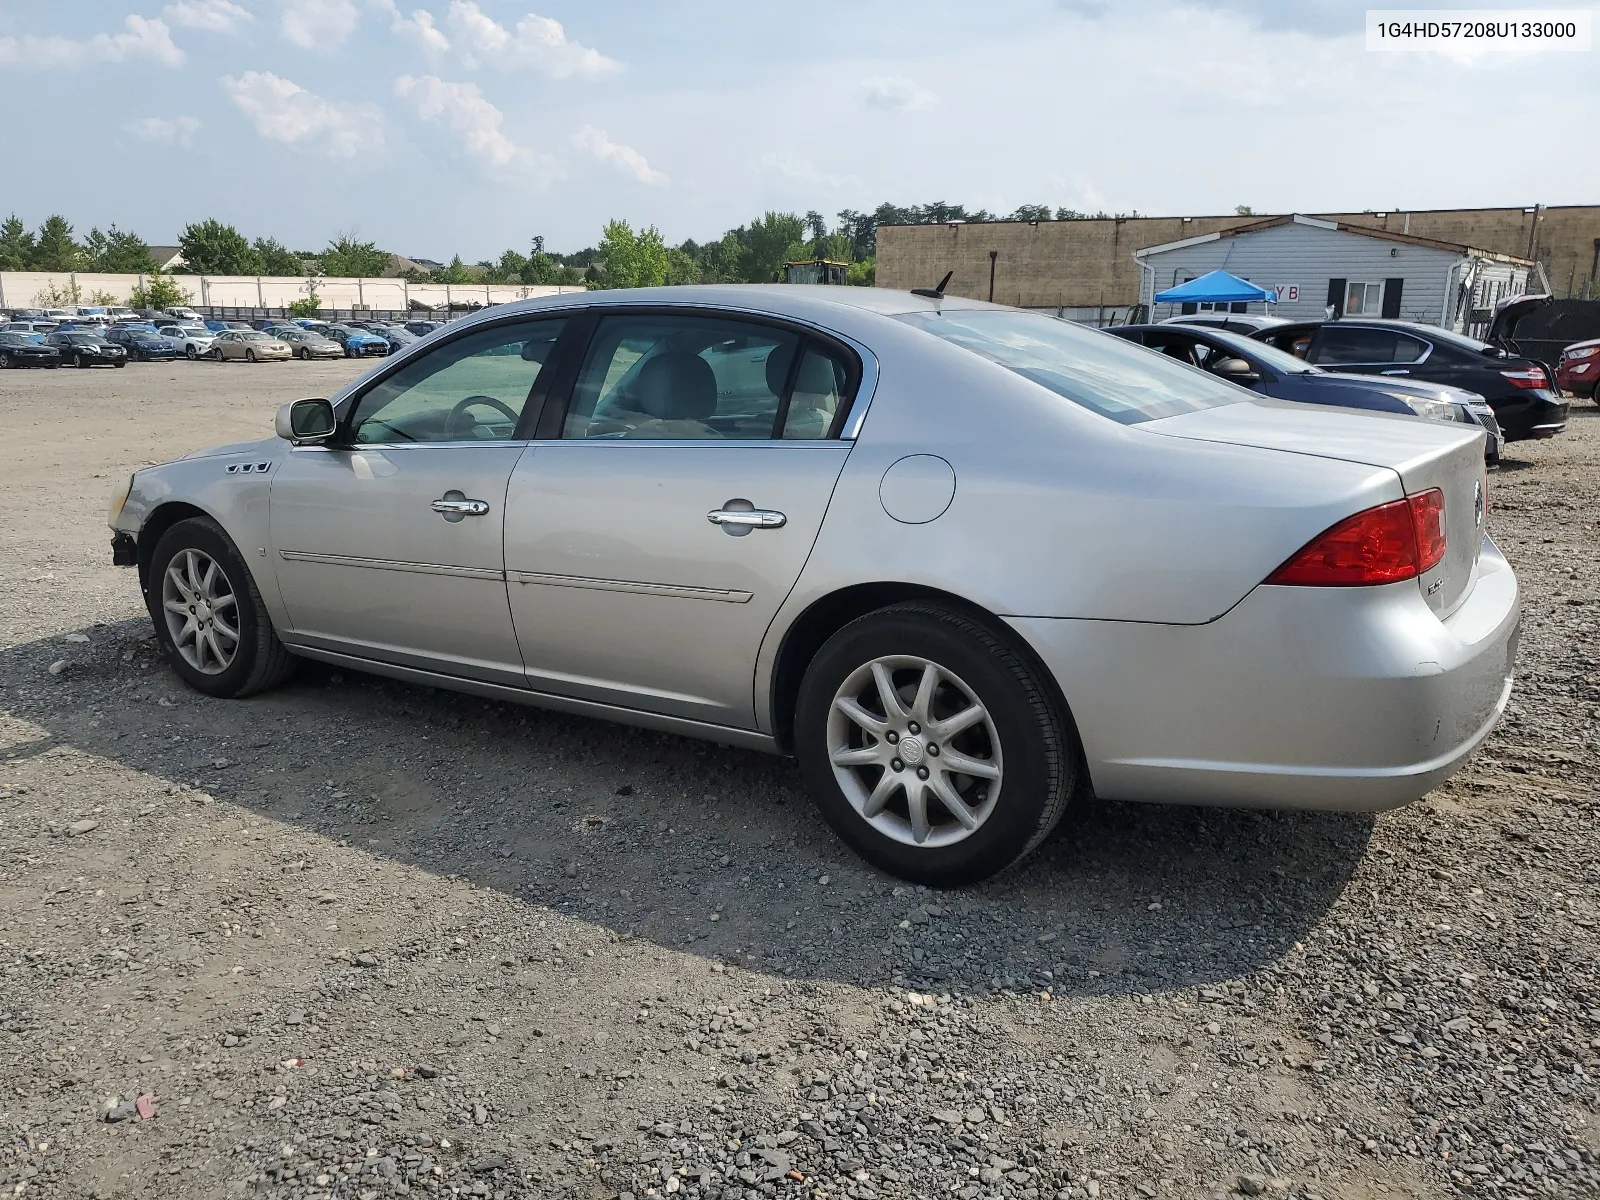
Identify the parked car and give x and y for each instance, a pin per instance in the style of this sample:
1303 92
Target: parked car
1521 391
191 341
1235 322
60 315
217 326
357 343
84 349
958 558
26 350
187 316
1578 371
397 337
251 345
423 328
141 345
312 324
1272 372
117 312
40 327
303 343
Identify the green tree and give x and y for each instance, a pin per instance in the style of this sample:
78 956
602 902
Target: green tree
309 304
160 291
632 259
1244 210
16 245
116 252
349 258
681 267
455 271
1031 212
864 273
276 258
720 260
508 269
766 246
211 248
54 249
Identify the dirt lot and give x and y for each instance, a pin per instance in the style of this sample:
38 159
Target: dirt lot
359 939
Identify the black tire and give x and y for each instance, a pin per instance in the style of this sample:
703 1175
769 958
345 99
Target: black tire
189 353
1038 741
120 363
1595 395
305 354
249 355
260 661
5 362
80 361
215 355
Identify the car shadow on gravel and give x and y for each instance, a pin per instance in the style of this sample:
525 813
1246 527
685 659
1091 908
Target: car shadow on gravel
695 847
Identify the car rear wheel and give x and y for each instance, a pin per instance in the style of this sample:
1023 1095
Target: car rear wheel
931 746
209 616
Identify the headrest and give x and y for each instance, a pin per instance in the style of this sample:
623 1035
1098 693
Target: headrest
677 386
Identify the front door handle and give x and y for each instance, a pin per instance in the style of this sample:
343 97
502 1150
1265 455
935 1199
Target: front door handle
453 506
752 518
1394 372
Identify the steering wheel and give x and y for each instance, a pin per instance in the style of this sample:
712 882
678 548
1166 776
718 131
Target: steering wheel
453 423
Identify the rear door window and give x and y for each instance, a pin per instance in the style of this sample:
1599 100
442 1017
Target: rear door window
1342 345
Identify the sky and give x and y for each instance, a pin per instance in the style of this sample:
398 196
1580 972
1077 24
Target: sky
470 126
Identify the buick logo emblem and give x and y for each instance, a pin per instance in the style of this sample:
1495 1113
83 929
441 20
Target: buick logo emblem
1477 502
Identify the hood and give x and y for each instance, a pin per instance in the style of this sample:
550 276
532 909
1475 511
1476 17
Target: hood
233 448
1417 387
1508 313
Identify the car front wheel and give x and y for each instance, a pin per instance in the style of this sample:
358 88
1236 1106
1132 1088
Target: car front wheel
932 746
189 353
209 616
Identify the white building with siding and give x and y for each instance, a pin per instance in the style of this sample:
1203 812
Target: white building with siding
1314 265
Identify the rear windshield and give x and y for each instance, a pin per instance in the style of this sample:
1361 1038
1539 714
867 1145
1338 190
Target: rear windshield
1102 373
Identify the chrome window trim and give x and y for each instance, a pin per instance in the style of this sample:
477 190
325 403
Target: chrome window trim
852 426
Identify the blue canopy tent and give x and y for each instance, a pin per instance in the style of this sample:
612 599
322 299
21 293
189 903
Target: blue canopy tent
1215 287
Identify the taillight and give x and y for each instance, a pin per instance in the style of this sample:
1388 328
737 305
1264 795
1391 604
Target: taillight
1385 544
1527 377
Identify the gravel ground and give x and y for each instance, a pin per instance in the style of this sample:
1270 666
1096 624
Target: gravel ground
360 939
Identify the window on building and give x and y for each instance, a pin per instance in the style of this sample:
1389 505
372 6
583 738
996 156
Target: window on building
1363 299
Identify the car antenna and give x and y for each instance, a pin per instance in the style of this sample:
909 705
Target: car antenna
934 293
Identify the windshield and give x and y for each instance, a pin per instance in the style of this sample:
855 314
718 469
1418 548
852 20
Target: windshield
1102 373
255 336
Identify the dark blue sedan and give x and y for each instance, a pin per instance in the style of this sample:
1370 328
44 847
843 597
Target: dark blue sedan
141 345
1274 372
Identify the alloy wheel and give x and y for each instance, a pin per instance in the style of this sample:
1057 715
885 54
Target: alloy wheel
201 611
914 751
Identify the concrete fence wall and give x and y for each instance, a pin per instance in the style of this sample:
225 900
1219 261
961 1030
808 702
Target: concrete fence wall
25 289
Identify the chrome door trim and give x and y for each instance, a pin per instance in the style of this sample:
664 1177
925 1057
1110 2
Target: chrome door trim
748 739
390 564
726 596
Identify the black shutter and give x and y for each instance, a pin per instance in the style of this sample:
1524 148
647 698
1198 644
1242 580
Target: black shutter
1336 296
1391 297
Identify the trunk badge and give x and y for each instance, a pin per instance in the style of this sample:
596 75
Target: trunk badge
1477 502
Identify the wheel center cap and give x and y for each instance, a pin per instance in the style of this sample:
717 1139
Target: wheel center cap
910 750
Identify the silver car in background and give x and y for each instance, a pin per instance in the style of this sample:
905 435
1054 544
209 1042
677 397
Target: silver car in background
959 559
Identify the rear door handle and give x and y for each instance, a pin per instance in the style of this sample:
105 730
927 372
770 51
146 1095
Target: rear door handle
752 518
1394 372
452 506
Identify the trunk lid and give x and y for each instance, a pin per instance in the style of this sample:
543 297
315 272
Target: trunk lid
1507 314
1424 454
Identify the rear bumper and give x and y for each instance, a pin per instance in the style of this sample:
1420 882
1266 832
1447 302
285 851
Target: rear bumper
1529 415
1349 699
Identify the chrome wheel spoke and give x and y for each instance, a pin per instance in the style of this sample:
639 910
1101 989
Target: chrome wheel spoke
222 602
223 628
957 763
195 594
859 756
917 806
176 606
965 719
853 709
954 804
881 794
922 706
887 696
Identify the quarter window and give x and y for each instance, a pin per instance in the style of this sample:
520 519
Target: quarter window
1342 345
677 378
472 388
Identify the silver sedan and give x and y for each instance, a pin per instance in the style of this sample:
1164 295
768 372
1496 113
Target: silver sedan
960 560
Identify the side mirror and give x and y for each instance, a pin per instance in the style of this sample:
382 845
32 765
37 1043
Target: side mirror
306 422
1235 369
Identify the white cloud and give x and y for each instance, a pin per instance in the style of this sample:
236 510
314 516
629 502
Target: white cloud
166 130
318 24
285 112
460 108
625 158
213 16
142 37
537 42
897 93
418 27
804 171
